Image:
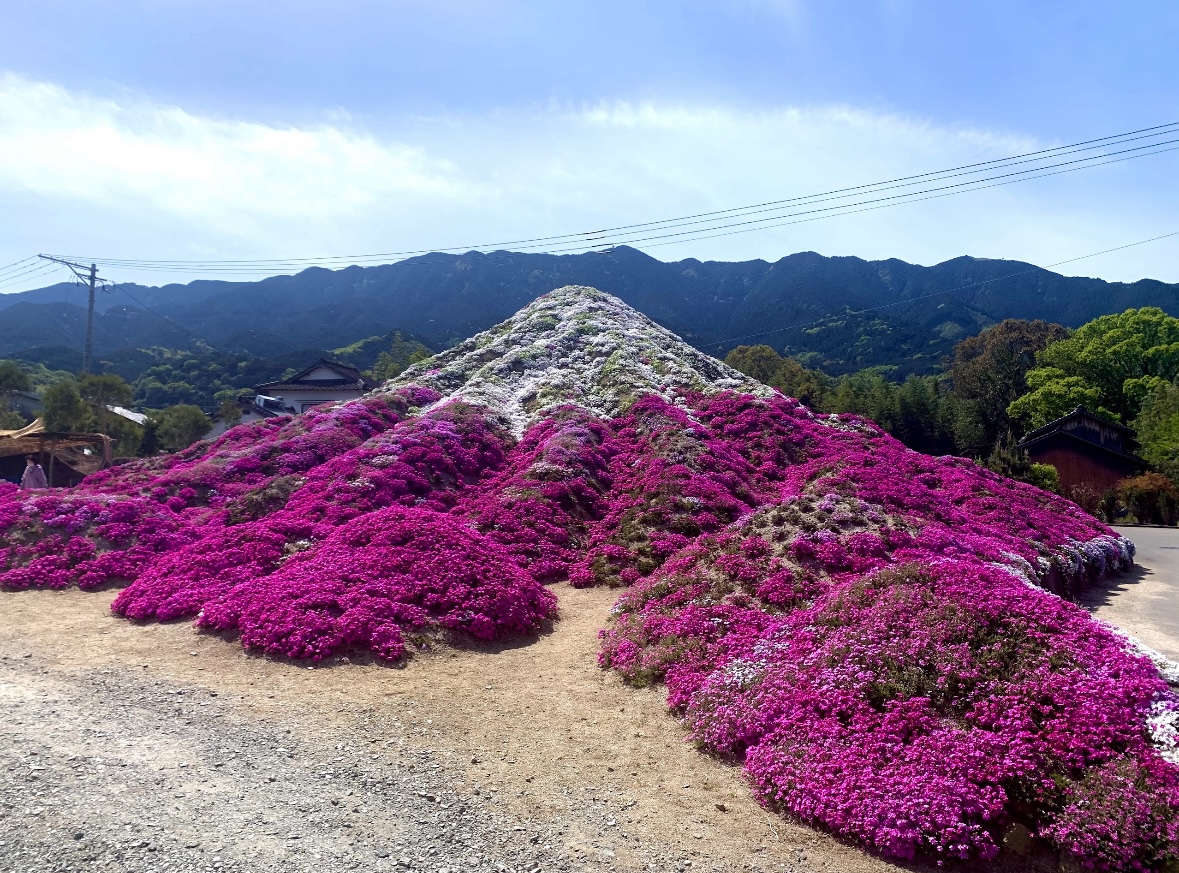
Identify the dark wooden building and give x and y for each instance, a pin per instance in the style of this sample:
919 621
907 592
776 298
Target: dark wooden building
1086 449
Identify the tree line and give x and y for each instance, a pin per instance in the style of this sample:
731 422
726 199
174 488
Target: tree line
179 391
1010 379
83 404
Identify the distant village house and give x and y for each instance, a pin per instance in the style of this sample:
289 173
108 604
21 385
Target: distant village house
323 382
1087 450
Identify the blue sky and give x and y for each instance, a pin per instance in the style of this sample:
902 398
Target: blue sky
222 130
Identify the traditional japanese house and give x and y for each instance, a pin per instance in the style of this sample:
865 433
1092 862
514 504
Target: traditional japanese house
1086 449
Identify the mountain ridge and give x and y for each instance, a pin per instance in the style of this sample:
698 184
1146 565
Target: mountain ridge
806 304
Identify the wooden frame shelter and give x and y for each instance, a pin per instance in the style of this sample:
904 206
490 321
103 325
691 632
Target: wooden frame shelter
61 449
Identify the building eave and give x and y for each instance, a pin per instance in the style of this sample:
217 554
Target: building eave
1028 443
306 386
1054 425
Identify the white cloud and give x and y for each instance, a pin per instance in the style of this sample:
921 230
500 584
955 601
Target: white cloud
72 146
126 177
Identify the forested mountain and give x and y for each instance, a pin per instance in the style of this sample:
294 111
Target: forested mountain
803 304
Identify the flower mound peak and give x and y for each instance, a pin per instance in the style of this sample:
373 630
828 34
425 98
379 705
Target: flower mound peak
574 345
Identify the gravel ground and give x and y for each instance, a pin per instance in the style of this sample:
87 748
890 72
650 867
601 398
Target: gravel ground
119 771
122 772
151 748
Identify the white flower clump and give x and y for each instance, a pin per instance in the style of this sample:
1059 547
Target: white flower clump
577 346
1163 726
742 673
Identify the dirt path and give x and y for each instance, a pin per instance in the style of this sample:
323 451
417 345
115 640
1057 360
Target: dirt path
165 749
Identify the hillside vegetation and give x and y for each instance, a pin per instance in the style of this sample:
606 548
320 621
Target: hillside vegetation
803 304
1010 379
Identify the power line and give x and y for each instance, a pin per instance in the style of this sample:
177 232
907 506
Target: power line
892 200
1159 130
27 275
176 325
596 239
914 199
938 293
15 265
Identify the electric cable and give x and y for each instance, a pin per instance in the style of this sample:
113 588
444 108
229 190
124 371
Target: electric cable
15 265
180 327
596 239
36 272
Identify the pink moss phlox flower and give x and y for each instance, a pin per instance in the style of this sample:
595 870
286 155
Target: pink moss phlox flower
866 629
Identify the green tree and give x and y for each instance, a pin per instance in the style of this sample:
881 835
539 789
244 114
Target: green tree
757 362
989 372
788 375
868 393
64 408
1044 476
11 420
1052 394
178 427
229 408
920 421
12 380
1008 459
1112 363
150 443
101 391
1157 427
401 354
920 412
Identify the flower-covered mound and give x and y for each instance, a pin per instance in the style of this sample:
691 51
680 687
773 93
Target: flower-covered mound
879 636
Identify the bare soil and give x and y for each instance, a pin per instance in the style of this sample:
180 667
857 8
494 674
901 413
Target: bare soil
157 748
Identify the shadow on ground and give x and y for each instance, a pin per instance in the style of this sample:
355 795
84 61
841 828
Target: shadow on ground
1104 592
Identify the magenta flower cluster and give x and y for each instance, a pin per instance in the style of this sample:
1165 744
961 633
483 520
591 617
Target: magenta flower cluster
869 630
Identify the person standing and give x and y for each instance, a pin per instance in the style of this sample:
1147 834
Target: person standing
34 476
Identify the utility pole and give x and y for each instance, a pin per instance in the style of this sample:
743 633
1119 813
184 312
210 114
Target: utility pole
90 277
88 350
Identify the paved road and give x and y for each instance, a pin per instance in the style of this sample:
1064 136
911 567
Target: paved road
1145 602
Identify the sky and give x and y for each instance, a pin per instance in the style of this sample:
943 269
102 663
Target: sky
236 129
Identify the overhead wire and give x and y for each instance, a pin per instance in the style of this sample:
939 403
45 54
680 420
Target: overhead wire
591 240
15 265
22 271
885 202
915 199
122 287
36 272
1157 130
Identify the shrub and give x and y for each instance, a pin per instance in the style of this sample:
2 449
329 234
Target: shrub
1152 498
1043 476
